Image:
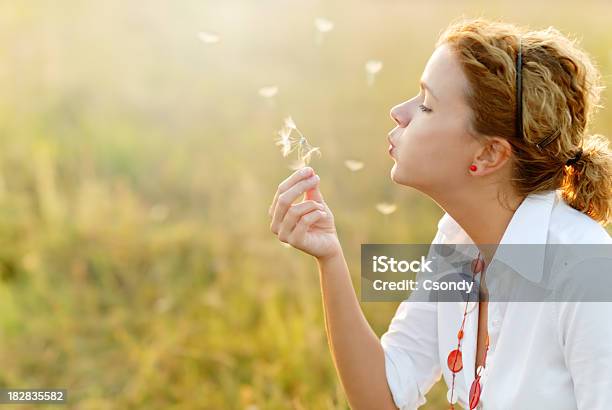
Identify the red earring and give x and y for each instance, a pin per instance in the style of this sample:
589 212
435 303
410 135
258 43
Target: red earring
473 168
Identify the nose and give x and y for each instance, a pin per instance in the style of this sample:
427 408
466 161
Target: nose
401 114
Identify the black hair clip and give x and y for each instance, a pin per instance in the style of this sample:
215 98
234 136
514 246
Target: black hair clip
547 140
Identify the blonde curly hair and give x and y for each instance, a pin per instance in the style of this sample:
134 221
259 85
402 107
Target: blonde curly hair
560 92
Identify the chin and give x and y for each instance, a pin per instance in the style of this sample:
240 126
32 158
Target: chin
393 173
402 177
397 176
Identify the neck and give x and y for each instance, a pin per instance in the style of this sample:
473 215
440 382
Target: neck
481 215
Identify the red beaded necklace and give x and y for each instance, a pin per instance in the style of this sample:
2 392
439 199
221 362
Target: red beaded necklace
455 362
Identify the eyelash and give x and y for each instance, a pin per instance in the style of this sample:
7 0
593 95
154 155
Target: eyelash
424 109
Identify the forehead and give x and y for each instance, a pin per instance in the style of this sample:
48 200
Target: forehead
444 75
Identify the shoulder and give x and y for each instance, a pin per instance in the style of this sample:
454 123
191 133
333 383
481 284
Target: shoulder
570 226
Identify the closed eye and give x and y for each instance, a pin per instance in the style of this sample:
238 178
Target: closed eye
424 109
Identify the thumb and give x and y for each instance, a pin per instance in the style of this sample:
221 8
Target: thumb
314 194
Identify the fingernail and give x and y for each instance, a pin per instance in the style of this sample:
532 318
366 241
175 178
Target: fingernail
306 171
317 178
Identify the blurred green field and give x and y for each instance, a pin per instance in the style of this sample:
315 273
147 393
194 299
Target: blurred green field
137 164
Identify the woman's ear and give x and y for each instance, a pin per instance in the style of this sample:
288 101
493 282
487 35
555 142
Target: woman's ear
493 155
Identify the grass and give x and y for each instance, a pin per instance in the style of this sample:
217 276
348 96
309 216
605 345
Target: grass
136 167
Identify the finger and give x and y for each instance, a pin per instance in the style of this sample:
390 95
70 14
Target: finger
315 194
286 199
287 183
293 215
305 222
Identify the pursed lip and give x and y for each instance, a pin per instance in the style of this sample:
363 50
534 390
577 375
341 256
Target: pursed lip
391 146
389 139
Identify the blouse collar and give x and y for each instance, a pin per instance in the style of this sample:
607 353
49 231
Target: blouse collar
528 225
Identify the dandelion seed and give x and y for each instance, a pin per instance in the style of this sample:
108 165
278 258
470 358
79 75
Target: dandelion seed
308 151
208 37
268 92
386 208
305 150
372 68
285 141
290 123
301 163
353 165
323 27
289 143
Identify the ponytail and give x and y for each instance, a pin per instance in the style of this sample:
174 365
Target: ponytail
587 184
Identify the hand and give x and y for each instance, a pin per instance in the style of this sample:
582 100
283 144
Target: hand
307 225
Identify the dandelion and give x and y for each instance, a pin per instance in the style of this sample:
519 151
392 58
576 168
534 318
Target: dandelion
268 92
323 26
353 165
372 68
208 37
386 208
289 143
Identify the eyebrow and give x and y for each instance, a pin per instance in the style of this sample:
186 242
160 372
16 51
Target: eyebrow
425 86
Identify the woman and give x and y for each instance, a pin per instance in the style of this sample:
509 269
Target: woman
496 137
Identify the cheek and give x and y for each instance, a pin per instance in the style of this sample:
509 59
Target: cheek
435 147
424 142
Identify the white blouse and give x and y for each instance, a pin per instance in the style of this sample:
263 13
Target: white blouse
542 355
